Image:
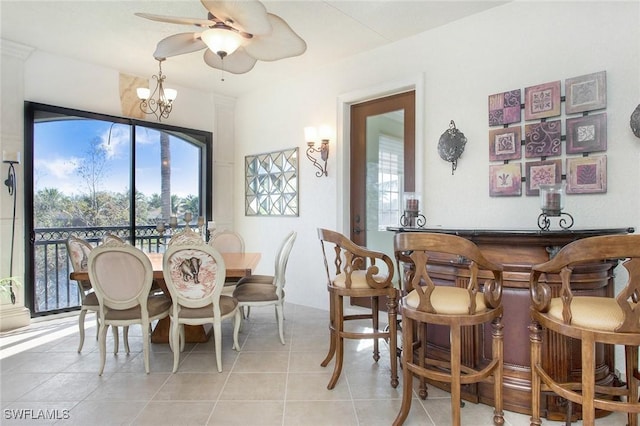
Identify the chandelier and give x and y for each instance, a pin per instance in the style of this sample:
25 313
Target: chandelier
160 102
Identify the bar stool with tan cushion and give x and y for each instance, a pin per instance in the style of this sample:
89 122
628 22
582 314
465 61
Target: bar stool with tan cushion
591 320
354 271
462 305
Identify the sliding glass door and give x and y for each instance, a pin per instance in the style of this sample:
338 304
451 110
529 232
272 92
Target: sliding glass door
89 174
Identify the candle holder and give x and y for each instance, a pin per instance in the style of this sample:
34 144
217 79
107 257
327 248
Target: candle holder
412 217
551 204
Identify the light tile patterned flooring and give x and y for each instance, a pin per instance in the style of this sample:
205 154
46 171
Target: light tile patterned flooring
265 383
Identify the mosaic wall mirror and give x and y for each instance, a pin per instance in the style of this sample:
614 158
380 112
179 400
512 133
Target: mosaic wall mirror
271 183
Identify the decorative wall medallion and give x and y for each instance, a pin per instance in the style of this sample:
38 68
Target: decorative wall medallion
635 121
543 139
504 108
586 93
451 145
542 101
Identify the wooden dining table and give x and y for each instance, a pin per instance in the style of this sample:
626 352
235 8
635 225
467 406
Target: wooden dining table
237 265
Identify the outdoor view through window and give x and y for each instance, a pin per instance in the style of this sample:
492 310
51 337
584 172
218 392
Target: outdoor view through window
83 172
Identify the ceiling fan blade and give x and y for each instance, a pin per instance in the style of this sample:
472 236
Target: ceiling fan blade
179 44
249 16
177 20
237 63
282 43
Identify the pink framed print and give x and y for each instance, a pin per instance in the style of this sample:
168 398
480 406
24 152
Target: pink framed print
538 173
586 93
505 144
542 101
504 108
587 175
587 134
543 139
505 180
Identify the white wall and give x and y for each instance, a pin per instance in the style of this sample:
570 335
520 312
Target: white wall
514 46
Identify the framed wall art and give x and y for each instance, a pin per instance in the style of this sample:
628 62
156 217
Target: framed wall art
505 144
271 183
548 172
504 108
543 139
587 175
587 134
585 93
542 101
505 180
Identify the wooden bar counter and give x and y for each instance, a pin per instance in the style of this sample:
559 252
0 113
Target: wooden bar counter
517 251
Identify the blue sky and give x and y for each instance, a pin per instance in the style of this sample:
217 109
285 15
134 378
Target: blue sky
59 145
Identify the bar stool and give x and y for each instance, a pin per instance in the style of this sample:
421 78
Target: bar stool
459 304
352 271
591 320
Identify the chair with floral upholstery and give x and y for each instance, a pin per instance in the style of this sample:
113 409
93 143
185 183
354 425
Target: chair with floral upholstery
121 276
194 273
78 251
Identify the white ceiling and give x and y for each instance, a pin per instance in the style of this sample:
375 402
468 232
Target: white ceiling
107 33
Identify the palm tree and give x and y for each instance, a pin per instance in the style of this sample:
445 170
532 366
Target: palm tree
165 175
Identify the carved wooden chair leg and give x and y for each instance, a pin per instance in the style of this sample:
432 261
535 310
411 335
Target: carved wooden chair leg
339 341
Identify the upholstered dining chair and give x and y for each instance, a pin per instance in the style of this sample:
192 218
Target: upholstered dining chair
355 271
78 251
463 304
268 290
194 273
589 319
227 241
111 237
121 276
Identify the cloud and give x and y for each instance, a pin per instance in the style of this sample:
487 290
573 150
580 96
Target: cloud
58 168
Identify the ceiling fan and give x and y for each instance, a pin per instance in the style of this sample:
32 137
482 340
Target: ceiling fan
236 35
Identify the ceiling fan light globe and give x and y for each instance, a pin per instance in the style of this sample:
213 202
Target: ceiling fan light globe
143 93
221 40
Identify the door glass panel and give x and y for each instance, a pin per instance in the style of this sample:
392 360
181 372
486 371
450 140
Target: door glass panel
82 169
385 174
168 181
81 184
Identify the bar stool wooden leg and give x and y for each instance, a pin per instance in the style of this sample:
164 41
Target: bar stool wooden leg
375 320
631 362
497 353
422 353
392 311
338 339
332 340
455 374
535 338
407 374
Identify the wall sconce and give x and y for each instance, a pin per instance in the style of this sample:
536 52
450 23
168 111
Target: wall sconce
311 136
12 158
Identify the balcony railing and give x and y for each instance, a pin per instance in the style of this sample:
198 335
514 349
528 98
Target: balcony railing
53 290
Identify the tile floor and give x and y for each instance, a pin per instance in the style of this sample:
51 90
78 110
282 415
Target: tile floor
265 383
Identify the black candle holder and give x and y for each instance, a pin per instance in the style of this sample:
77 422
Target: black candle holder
413 219
551 204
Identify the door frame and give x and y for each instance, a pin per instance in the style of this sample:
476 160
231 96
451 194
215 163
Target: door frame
344 132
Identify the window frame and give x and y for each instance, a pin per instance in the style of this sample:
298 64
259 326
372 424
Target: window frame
32 108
